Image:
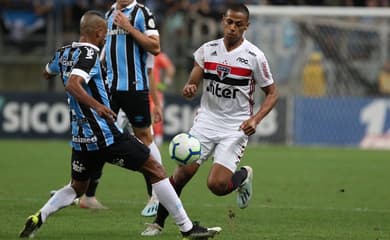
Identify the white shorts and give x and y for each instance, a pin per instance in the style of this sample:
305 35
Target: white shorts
224 145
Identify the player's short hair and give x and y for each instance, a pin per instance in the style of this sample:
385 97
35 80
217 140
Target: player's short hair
237 7
89 21
94 12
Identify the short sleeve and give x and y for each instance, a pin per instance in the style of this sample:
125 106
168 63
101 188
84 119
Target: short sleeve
199 56
85 63
262 73
150 22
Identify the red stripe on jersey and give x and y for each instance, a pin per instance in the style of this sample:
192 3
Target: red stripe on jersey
265 69
243 72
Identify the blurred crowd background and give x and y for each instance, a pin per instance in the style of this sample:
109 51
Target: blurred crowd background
329 58
32 29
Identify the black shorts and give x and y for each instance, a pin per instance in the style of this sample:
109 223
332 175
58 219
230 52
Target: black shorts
127 152
135 105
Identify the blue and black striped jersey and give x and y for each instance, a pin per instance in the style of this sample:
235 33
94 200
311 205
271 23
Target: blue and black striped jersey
125 58
90 132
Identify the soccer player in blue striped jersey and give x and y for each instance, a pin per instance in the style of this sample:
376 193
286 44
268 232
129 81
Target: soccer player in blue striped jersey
96 138
132 33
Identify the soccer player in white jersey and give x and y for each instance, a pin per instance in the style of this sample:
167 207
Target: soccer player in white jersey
230 68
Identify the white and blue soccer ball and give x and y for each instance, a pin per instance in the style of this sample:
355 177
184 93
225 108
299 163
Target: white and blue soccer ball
184 148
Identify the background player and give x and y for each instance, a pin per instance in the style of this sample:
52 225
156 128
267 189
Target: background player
132 33
230 68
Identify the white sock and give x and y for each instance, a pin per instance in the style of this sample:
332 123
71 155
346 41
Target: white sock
62 198
169 199
155 152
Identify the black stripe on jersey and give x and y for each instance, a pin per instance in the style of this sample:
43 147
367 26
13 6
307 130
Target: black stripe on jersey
80 133
94 126
96 95
130 62
69 57
113 60
227 80
143 66
95 91
142 51
61 67
131 74
61 51
148 15
108 14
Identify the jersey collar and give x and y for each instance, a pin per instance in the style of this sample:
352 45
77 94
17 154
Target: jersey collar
82 44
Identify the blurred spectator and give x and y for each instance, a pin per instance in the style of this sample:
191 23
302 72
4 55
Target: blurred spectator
384 79
73 10
163 73
314 82
21 18
102 5
208 8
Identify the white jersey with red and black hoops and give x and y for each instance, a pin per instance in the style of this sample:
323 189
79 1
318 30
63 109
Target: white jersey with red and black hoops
229 82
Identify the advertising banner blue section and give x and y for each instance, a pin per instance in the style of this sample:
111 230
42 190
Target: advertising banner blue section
34 115
339 121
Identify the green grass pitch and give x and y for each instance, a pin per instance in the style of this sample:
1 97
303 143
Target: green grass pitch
299 194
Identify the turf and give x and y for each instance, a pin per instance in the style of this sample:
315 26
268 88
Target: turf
300 194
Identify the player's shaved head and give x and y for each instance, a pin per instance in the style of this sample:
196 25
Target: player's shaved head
91 21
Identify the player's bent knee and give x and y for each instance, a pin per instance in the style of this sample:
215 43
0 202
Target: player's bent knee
218 188
144 134
154 170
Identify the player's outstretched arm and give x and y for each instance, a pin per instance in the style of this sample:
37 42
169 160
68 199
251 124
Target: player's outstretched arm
193 82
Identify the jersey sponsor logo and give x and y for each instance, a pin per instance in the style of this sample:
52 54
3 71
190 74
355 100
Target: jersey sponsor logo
118 31
213 53
242 60
223 71
65 62
78 139
214 44
218 91
90 53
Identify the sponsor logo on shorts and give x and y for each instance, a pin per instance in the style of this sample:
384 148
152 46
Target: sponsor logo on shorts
78 167
119 162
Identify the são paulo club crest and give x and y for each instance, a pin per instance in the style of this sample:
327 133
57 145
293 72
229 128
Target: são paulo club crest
222 71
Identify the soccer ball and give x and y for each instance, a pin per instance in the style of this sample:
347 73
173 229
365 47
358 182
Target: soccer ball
184 148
